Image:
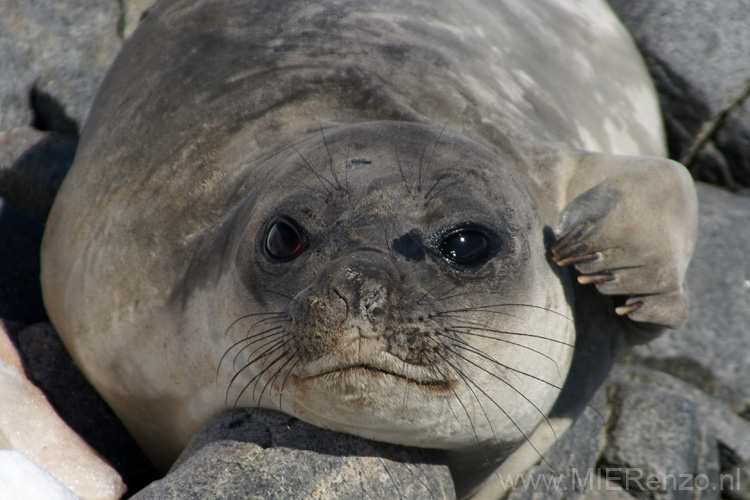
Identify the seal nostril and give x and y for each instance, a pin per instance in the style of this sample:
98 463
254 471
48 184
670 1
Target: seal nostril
342 298
373 301
376 313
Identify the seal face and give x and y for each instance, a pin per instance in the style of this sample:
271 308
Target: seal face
388 292
367 215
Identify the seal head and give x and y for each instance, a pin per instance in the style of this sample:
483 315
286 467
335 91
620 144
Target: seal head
389 286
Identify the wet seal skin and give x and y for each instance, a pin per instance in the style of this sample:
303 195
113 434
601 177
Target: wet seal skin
427 223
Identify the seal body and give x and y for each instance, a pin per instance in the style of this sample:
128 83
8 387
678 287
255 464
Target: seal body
363 214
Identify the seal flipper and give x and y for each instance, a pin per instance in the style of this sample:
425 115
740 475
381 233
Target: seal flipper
631 234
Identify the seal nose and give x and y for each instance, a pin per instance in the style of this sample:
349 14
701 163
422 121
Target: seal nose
364 287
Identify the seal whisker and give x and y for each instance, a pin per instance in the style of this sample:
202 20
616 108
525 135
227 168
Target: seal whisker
276 292
465 378
514 370
403 175
276 319
519 334
485 307
429 292
469 384
468 347
246 316
511 343
445 296
427 198
269 335
559 388
286 377
420 177
321 196
460 316
256 380
275 347
330 158
270 338
513 422
271 320
276 342
244 339
276 374
318 176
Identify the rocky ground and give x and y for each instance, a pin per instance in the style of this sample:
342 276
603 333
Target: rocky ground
674 410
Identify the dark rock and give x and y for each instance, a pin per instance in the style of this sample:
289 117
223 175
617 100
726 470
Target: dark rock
737 482
265 454
697 52
733 138
53 56
32 167
20 288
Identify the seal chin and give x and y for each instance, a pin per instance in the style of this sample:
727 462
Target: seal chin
378 405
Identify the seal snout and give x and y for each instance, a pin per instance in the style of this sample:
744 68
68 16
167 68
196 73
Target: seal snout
364 290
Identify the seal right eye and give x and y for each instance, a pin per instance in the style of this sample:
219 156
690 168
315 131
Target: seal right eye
465 247
283 241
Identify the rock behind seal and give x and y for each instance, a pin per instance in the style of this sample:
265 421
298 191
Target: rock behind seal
698 52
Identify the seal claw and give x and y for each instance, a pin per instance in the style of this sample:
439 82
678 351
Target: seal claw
588 279
578 259
629 308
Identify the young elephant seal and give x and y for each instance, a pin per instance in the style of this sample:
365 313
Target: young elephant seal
365 214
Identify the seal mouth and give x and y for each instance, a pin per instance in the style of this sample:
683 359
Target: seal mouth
432 383
351 367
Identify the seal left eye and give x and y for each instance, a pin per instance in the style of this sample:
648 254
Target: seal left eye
465 247
283 240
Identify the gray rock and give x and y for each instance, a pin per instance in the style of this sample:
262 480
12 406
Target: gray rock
697 52
654 442
134 12
20 288
607 490
32 167
724 437
715 417
264 454
712 351
569 468
53 56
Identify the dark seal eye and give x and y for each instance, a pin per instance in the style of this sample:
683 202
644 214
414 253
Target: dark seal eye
283 241
465 247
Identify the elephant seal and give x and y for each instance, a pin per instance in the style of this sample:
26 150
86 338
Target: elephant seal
366 214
